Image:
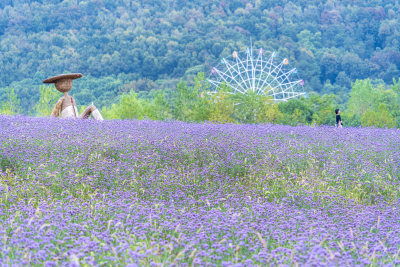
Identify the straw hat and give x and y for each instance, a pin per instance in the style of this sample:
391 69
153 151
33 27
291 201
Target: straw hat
70 76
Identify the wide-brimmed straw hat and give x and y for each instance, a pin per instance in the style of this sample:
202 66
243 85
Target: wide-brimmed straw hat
71 76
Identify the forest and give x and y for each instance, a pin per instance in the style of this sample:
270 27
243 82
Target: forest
153 50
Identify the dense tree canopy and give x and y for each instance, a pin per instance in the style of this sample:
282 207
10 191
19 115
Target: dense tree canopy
122 45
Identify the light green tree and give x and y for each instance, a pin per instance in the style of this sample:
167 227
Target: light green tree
249 108
396 86
271 114
254 108
202 105
323 107
363 97
222 107
296 110
129 107
192 103
372 105
184 99
162 109
380 117
11 105
395 108
48 98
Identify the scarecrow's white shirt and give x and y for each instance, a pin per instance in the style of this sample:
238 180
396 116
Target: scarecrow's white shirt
68 112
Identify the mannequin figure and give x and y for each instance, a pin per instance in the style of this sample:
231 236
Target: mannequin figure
66 105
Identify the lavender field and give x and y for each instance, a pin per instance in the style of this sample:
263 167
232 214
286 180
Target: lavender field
83 193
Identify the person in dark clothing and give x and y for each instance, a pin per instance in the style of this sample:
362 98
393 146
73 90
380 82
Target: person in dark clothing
339 123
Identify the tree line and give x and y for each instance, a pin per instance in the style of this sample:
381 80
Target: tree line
371 103
124 45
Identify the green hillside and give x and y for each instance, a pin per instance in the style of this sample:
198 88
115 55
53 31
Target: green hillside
121 45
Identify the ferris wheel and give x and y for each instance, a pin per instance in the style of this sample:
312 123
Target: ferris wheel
260 74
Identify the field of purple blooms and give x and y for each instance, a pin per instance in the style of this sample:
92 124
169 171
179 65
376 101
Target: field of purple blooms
82 192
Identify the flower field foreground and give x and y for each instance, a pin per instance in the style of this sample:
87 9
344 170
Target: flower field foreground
82 192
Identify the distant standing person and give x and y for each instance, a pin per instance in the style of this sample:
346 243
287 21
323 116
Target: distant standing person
338 118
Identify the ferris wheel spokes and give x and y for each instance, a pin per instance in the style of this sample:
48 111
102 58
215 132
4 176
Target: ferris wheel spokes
238 73
258 74
228 83
268 63
247 73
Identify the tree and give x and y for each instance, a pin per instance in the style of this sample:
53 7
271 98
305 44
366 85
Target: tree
129 107
380 118
222 108
329 66
390 73
394 106
183 102
160 107
11 105
202 104
309 40
354 66
363 97
253 108
343 80
272 114
372 104
396 86
323 107
191 103
48 98
295 111
249 107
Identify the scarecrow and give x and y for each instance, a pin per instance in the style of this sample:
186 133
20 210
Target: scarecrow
66 106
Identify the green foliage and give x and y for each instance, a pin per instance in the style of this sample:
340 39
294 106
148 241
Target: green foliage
129 107
373 105
396 86
191 103
253 108
370 104
184 100
162 109
223 108
249 108
394 105
202 104
323 107
309 41
379 118
48 98
272 113
11 105
148 45
296 111
363 96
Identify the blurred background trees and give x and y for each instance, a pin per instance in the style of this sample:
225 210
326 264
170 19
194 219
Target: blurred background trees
151 45
342 49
